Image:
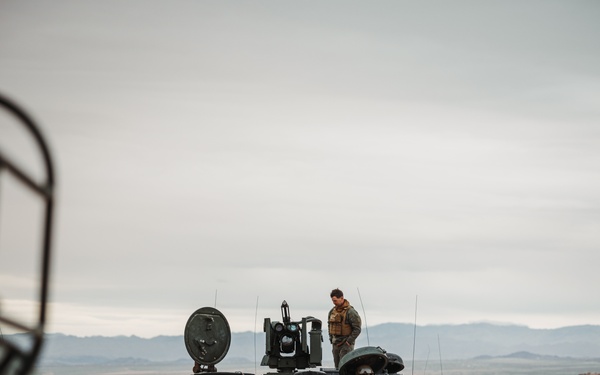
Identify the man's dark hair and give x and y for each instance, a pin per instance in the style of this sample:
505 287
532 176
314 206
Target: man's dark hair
336 293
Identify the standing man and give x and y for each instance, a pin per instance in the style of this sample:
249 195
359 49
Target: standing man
344 326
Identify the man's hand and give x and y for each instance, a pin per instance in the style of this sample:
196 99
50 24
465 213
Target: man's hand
343 342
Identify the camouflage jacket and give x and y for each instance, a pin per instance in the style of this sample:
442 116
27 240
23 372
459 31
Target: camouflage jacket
352 318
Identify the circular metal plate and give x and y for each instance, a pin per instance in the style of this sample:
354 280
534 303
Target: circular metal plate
207 336
368 355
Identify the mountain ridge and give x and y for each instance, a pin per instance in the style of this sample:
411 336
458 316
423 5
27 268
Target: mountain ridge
460 341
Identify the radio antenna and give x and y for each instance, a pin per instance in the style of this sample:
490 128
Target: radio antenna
440 349
216 298
414 336
365 315
255 315
427 360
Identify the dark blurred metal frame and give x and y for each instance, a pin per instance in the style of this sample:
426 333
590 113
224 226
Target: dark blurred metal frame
12 354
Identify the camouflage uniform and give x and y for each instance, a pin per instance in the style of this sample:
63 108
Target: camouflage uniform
344 328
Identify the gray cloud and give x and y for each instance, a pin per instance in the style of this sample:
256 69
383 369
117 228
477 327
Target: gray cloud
283 149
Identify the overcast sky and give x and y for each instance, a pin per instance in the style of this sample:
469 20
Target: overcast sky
251 152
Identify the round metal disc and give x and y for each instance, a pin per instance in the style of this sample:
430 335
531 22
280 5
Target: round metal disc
207 336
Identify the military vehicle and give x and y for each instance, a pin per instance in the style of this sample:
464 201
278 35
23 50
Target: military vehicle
290 346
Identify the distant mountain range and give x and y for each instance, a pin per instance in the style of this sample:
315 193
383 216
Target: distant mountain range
464 341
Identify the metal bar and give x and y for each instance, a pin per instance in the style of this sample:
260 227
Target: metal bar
21 176
46 192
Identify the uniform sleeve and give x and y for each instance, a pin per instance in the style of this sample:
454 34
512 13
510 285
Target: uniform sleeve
354 319
329 317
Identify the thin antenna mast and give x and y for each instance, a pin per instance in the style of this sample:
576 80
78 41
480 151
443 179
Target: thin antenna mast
255 315
216 298
440 349
414 336
365 315
427 360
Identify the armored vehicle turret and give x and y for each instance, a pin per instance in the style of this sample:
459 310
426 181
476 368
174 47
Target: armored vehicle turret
289 346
